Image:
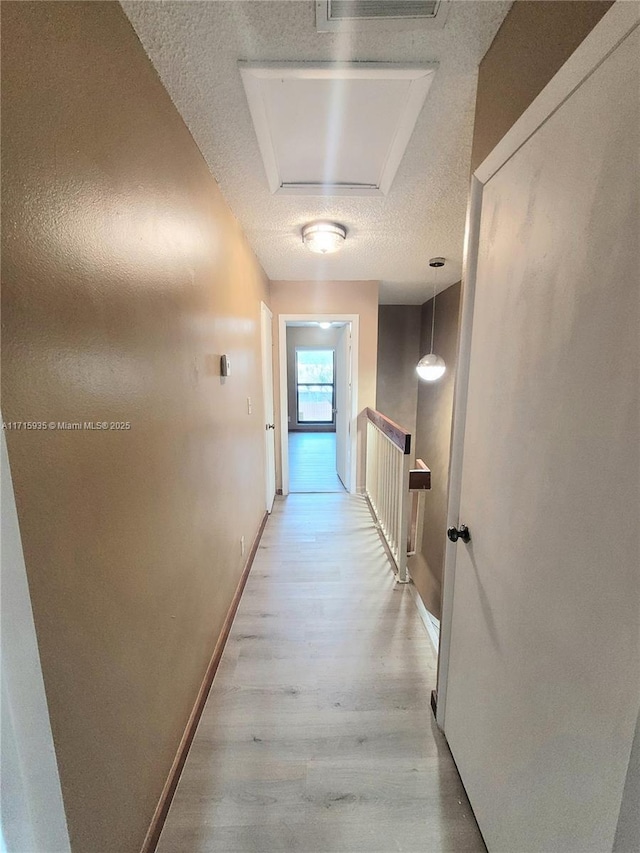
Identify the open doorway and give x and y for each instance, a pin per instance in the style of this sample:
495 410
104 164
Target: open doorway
318 404
312 417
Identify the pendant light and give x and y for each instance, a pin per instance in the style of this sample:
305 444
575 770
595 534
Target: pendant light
431 367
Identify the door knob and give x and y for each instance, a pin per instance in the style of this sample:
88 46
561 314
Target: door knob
270 426
462 532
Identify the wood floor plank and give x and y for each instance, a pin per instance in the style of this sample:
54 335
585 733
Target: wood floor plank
317 736
312 462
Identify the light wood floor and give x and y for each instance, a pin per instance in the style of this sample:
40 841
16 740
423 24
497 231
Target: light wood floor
317 736
312 462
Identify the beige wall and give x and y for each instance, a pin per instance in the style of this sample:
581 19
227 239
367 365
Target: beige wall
124 278
331 297
433 444
536 38
305 336
398 355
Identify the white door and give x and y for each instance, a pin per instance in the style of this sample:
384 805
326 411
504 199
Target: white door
33 815
343 405
266 338
543 675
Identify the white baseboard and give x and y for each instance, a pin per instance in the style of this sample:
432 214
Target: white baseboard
431 624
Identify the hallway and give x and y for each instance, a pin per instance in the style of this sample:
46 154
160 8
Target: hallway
312 462
317 736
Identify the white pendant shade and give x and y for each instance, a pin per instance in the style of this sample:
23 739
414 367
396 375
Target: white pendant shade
430 367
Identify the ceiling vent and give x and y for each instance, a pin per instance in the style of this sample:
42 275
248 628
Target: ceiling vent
353 15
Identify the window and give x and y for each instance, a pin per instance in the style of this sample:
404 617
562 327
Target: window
315 388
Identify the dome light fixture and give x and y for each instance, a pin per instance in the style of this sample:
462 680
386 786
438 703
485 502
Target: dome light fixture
431 367
325 325
324 237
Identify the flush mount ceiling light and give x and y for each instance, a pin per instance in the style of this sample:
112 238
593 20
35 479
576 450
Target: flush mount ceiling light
325 325
431 367
323 237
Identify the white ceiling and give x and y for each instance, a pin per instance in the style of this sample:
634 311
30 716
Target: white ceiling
196 46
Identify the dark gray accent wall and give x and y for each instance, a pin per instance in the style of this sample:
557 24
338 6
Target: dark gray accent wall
425 409
398 354
433 440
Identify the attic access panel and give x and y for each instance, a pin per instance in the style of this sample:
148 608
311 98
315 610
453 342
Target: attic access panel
334 128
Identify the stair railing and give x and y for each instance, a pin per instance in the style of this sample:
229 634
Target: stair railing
389 482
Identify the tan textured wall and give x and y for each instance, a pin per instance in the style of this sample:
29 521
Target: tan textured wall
124 277
433 444
535 40
305 336
398 354
331 297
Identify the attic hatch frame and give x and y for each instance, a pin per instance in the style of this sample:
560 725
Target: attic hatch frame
256 77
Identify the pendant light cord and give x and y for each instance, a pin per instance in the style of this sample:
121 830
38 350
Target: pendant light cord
433 310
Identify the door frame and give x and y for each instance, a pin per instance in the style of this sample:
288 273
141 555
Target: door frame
611 30
266 319
283 319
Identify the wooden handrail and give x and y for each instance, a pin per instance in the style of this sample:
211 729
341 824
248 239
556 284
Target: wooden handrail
400 437
419 477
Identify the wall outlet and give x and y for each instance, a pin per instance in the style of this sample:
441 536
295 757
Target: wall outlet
249 406
242 546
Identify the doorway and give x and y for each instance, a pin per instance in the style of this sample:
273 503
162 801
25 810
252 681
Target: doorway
318 402
312 418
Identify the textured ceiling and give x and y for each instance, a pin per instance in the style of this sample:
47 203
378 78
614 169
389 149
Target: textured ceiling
195 47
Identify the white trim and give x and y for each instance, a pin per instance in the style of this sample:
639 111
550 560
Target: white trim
33 816
266 318
252 73
612 29
472 233
332 70
284 403
283 319
427 618
353 190
315 348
